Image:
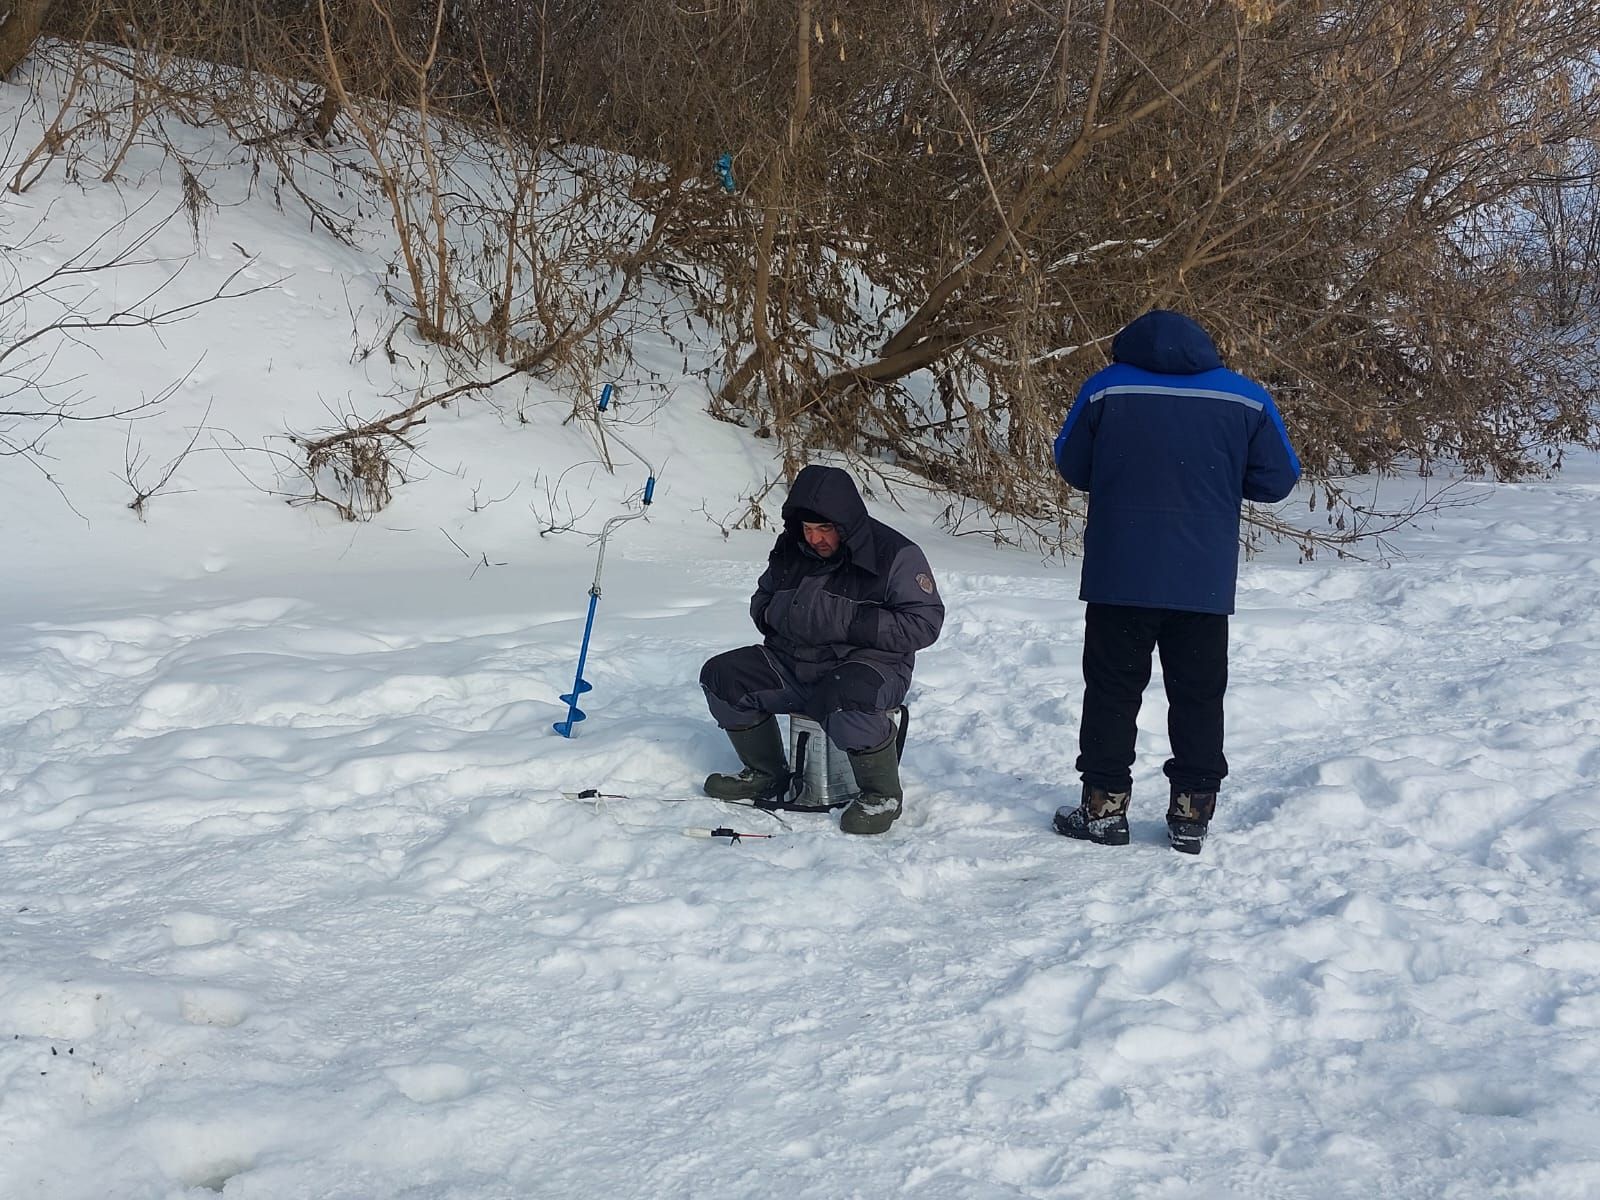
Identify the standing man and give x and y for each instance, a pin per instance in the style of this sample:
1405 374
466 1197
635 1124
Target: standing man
1168 443
844 605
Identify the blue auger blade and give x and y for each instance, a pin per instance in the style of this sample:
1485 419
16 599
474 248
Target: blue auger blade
574 713
580 685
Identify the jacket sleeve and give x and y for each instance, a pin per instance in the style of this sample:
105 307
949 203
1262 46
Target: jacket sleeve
763 596
911 615
1272 469
1074 451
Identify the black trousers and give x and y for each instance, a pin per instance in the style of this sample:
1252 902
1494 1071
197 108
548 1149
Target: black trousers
1117 641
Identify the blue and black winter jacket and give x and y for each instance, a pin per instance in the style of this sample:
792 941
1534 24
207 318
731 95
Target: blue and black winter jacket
1169 443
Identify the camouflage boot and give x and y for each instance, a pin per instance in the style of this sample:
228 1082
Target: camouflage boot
766 770
877 774
1101 818
1188 815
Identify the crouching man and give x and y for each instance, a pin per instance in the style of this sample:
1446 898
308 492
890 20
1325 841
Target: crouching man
844 605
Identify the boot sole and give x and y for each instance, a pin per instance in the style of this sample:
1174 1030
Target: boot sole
1119 838
846 825
747 795
1184 842
865 832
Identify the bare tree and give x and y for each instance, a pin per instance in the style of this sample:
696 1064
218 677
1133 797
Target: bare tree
1558 227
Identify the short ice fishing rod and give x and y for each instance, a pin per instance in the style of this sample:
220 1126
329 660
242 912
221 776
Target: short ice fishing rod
734 836
580 685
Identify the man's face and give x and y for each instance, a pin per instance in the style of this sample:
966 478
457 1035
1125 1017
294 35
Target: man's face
821 536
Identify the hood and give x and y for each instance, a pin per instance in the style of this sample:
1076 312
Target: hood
1166 343
832 495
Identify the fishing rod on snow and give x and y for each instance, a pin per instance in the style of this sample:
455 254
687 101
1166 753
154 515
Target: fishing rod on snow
734 836
580 685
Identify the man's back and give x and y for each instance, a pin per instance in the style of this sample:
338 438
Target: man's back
1168 443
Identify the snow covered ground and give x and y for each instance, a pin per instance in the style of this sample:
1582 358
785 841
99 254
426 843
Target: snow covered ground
292 904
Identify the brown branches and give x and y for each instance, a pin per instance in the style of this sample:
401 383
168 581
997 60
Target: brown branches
1031 207
61 306
20 26
944 211
135 461
361 441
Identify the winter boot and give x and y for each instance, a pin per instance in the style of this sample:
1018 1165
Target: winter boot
877 774
766 770
1101 818
1187 818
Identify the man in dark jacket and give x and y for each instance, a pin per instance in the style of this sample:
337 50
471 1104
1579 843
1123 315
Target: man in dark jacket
1168 443
844 604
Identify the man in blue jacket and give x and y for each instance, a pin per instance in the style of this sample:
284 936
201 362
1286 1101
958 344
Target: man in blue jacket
844 605
1168 443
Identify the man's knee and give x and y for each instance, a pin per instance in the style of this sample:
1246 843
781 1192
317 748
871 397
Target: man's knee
713 672
855 732
737 674
853 687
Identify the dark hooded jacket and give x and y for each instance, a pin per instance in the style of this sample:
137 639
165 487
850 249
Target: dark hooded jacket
1168 443
873 601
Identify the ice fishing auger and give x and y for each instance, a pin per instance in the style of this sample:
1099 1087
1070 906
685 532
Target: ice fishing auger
580 685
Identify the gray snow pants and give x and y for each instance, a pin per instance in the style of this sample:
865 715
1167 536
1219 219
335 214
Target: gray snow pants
851 702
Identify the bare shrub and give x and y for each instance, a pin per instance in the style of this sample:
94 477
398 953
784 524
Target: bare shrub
941 211
946 210
136 463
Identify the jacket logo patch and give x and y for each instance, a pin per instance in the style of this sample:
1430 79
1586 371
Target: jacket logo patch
925 582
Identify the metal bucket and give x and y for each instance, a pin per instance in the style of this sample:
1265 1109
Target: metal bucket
822 775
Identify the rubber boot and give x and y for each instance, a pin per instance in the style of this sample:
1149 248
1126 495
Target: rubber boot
766 769
877 774
1101 818
1188 816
